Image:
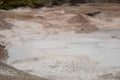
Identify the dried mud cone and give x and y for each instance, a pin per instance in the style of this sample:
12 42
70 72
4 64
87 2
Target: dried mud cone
81 24
3 54
78 19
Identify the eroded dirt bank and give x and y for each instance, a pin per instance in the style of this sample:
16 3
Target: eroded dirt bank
10 73
57 43
3 53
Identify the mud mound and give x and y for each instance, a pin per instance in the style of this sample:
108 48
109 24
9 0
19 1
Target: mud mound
4 25
3 54
78 19
80 24
10 73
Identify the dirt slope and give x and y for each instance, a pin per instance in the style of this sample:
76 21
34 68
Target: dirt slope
3 53
4 25
10 73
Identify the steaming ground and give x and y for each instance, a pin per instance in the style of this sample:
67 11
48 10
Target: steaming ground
63 43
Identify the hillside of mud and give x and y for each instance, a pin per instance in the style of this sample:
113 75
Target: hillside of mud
65 18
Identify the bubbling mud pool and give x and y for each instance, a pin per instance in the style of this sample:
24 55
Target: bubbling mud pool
98 46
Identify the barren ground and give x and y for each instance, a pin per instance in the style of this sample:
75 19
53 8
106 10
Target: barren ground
64 42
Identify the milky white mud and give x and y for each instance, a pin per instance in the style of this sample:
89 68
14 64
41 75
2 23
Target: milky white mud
67 56
63 56
98 46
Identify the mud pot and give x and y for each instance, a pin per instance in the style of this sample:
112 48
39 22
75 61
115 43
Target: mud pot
64 43
54 56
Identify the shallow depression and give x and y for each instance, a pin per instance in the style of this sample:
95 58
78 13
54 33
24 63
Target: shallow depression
98 46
